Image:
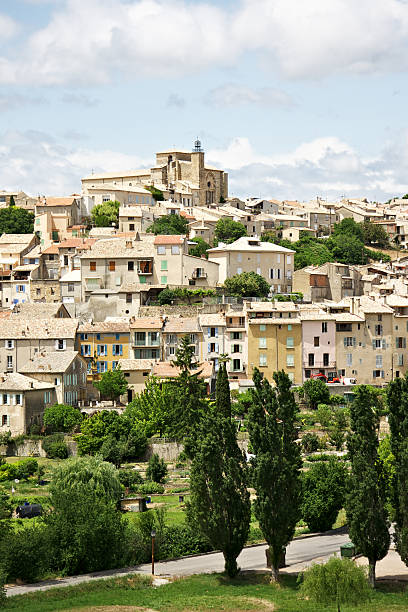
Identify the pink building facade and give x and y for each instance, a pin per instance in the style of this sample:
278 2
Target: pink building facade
318 345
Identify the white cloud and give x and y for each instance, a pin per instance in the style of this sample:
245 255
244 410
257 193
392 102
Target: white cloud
79 99
232 94
94 41
8 28
324 167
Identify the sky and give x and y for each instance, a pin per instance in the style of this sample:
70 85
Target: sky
294 99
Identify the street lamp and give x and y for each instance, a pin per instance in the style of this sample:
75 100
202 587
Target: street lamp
153 534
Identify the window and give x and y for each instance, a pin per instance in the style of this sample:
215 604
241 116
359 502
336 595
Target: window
289 342
128 298
263 359
131 266
236 364
344 327
117 349
316 341
161 250
71 287
290 327
349 341
140 338
47 397
378 361
262 327
6 398
379 317
239 257
378 330
290 361
311 359
236 336
377 343
92 266
9 362
262 343
5 420
288 259
102 349
349 359
400 360
101 366
325 359
236 348
106 197
112 266
175 249
38 292
324 327
213 347
163 280
20 288
378 373
18 399
10 344
163 265
213 332
60 345
239 270
400 343
172 350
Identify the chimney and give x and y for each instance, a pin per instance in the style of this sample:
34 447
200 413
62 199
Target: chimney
31 384
129 244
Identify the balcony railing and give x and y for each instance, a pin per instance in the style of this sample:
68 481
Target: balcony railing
198 274
320 364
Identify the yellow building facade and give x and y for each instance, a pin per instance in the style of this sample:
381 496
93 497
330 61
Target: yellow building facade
103 345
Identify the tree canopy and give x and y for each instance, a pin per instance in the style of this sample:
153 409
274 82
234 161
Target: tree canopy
247 284
169 224
112 384
200 248
106 214
61 417
227 230
15 220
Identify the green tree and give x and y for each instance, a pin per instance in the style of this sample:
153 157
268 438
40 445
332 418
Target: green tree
366 498
323 491
350 227
247 284
337 582
168 225
373 233
189 392
62 418
5 533
397 401
276 465
310 252
113 384
151 409
200 249
219 501
106 214
15 220
227 230
156 469
87 530
348 249
316 392
157 194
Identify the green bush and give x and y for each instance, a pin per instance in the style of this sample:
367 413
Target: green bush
180 540
30 553
323 492
3 596
22 469
157 469
55 446
337 582
150 488
130 478
310 442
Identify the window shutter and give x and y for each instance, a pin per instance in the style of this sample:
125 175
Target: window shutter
374 376
209 331
8 420
354 342
106 349
216 348
82 349
120 349
98 350
216 332
404 343
114 350
382 373
345 342
209 347
384 344
373 344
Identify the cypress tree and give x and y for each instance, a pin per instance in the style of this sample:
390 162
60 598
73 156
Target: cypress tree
397 400
276 465
366 498
219 500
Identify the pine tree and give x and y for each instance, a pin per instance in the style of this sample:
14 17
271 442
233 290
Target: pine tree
397 400
219 501
189 395
366 498
276 465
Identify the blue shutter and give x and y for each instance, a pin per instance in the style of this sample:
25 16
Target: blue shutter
98 350
209 347
106 349
98 366
114 350
209 331
82 349
216 332
120 349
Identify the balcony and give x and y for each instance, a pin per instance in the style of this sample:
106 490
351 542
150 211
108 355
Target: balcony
236 322
198 273
319 364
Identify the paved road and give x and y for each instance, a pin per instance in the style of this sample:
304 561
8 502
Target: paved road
301 550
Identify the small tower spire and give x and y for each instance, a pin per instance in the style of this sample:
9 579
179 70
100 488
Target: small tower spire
197 146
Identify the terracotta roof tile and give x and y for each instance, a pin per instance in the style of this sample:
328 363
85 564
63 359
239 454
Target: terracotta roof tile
174 239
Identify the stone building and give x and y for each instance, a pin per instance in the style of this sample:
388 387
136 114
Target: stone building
182 176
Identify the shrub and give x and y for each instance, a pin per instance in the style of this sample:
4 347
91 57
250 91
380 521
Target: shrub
55 446
310 442
323 490
324 415
61 417
29 553
150 488
339 581
157 469
3 596
316 392
26 468
180 540
130 478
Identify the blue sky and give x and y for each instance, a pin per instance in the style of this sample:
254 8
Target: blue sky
294 99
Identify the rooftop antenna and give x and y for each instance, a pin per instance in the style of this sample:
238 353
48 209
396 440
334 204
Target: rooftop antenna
197 146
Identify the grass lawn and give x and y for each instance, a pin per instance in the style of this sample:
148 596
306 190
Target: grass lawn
249 592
